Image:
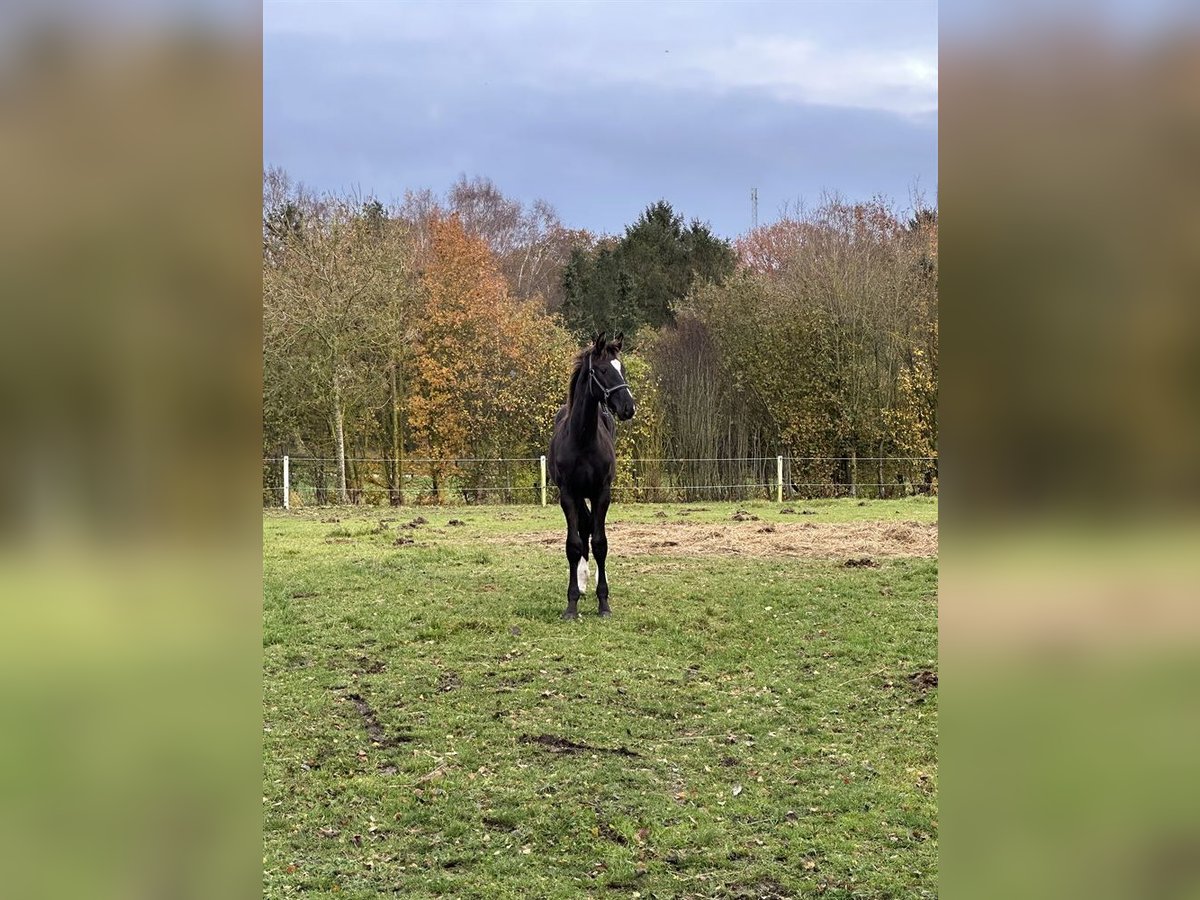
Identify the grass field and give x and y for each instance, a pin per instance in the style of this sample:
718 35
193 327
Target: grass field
757 719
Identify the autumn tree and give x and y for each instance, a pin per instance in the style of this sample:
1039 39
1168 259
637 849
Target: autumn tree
324 273
529 241
775 353
913 419
390 333
771 250
853 270
641 442
485 362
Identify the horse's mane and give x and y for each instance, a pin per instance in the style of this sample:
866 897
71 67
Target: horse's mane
577 368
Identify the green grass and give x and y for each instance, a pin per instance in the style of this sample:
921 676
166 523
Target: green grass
781 749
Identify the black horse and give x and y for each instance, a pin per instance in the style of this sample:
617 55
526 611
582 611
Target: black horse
582 461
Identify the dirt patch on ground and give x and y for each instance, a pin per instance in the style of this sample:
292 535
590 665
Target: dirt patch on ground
368 666
556 744
863 562
872 540
371 724
767 889
924 680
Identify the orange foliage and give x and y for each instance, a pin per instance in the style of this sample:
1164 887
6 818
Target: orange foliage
481 371
768 249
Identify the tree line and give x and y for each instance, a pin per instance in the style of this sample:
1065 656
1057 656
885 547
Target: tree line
408 346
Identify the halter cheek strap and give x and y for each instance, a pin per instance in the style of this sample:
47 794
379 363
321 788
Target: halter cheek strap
606 392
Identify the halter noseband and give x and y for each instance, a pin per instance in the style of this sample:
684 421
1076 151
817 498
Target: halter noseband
606 392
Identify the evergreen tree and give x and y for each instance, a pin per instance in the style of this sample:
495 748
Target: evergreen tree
642 279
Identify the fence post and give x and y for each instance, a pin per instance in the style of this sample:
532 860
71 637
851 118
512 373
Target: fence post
779 479
287 485
543 481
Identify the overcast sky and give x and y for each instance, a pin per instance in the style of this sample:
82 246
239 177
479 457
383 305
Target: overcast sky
604 107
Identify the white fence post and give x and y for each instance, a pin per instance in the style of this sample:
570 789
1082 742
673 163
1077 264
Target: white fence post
543 481
779 479
287 485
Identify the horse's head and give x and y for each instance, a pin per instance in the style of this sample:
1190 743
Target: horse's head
606 379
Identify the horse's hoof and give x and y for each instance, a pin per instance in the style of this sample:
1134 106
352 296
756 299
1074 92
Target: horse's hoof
605 613
570 614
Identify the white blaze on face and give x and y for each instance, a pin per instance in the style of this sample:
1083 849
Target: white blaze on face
616 364
581 576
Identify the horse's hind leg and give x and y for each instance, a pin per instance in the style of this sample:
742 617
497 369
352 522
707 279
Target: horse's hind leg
585 536
575 550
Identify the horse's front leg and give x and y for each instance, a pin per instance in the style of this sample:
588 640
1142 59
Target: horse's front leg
570 507
600 548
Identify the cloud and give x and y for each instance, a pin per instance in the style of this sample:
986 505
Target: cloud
803 54
800 71
603 108
792 70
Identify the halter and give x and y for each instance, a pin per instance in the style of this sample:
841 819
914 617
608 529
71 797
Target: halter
606 392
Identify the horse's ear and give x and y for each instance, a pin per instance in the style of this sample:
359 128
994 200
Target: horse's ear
598 342
618 341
